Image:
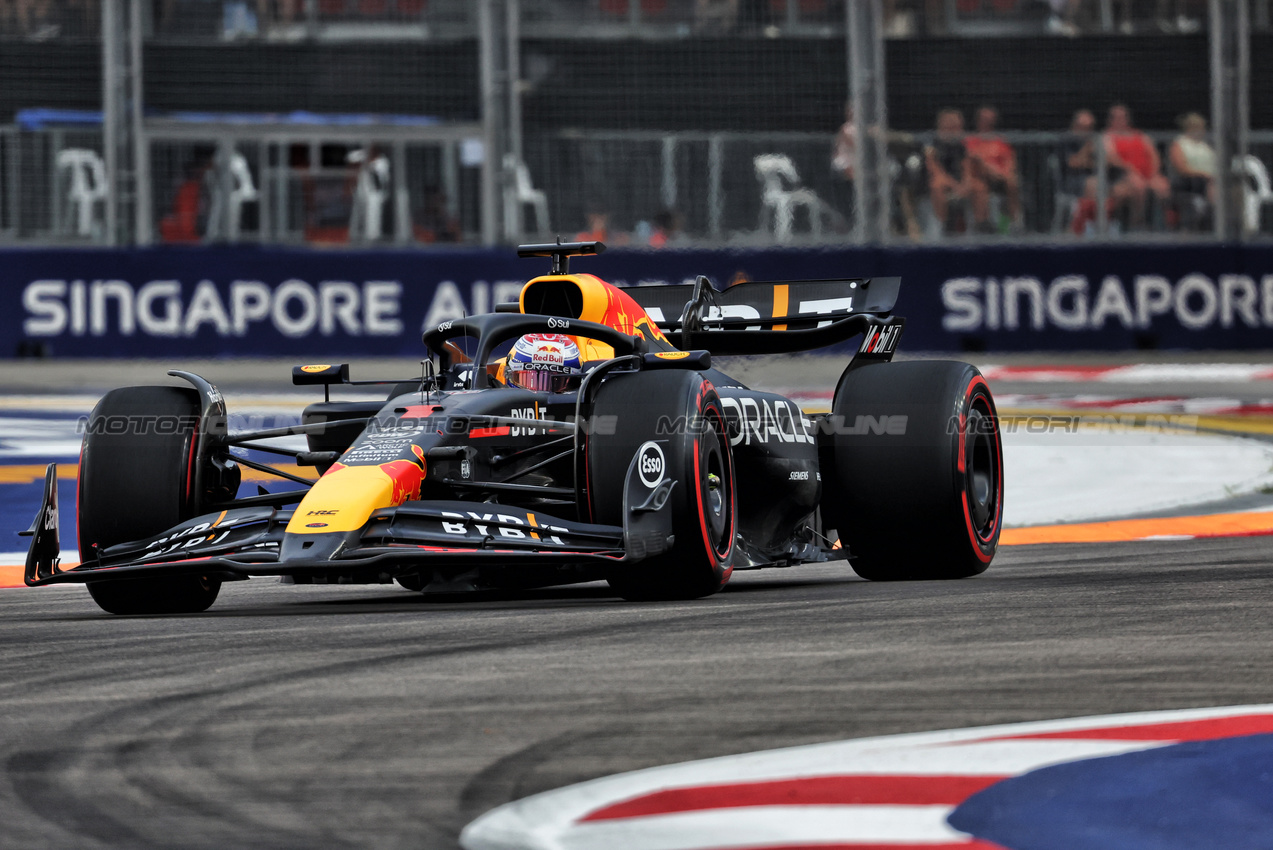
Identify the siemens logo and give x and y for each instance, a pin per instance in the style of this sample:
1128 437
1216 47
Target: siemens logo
294 308
1073 303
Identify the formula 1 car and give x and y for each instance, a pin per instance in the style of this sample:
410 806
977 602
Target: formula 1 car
655 471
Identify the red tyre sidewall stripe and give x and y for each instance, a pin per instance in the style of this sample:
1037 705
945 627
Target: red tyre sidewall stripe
720 560
194 447
979 544
79 488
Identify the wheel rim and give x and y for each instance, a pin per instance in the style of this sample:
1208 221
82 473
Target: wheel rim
714 488
982 468
717 489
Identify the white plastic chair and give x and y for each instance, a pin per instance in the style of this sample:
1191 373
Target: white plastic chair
366 219
242 191
1258 191
781 194
518 192
86 188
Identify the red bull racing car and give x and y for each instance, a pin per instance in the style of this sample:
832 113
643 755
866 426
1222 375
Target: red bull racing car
580 433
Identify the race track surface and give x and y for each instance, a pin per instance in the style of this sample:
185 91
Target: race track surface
374 717
355 716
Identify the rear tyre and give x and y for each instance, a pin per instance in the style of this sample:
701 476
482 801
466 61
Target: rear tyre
696 455
137 480
919 498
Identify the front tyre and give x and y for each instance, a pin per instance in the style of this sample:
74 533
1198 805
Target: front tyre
917 490
170 595
136 480
682 413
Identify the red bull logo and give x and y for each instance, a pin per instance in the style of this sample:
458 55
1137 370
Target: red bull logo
407 477
624 314
549 353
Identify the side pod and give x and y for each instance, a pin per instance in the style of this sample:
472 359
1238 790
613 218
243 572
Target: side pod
46 546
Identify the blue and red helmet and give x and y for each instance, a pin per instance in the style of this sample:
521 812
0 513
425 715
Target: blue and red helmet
544 363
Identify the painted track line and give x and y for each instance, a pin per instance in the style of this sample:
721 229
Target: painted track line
1242 524
751 800
1134 373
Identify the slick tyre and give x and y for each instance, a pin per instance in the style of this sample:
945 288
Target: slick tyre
696 454
917 484
136 480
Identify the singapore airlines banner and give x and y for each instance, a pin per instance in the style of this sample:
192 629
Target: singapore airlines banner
223 301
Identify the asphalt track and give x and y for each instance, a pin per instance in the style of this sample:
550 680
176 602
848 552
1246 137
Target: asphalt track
371 716
305 717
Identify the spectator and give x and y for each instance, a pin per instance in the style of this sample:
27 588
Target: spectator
667 229
993 162
1133 152
598 229
1193 159
949 178
1078 161
843 161
188 219
906 171
1078 169
1193 167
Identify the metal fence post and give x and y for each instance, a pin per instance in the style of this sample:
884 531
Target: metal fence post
142 208
111 108
1230 109
863 25
490 121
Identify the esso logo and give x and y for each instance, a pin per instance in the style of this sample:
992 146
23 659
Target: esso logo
555 324
650 464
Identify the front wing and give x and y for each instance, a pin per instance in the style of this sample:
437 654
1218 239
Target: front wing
245 542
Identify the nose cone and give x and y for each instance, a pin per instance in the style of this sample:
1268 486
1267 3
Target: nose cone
311 547
345 497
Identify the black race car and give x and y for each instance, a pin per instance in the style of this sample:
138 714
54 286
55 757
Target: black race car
652 470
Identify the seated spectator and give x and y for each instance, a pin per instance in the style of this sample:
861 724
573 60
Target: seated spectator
188 220
667 229
1133 152
908 182
598 229
949 177
993 162
1193 171
1078 160
1078 170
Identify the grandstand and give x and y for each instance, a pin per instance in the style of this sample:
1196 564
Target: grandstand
422 123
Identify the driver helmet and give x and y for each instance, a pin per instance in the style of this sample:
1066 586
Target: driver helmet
544 363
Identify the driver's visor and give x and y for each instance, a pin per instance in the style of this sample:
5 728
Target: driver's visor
541 381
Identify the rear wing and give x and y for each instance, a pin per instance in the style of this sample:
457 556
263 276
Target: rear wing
771 317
